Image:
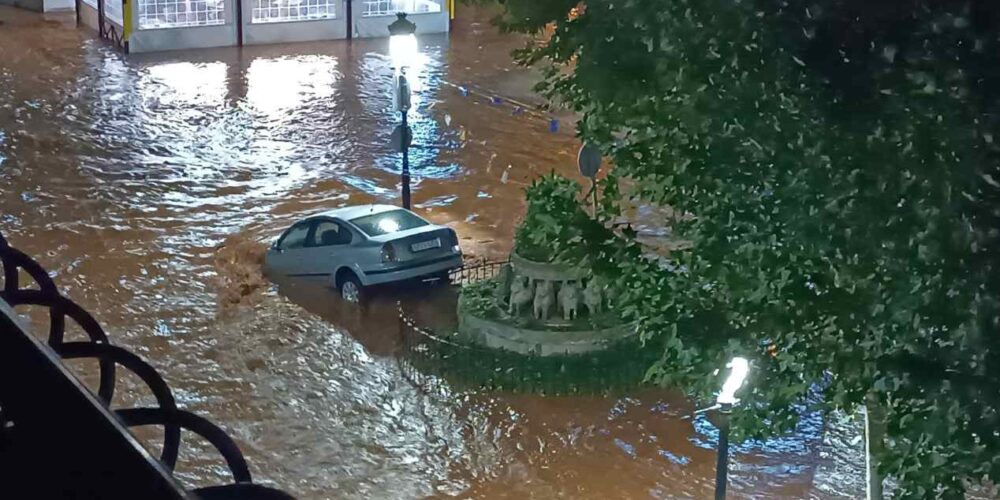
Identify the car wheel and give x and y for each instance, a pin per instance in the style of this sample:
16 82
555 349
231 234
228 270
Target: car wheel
351 289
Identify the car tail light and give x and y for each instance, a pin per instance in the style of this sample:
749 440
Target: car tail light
388 253
454 236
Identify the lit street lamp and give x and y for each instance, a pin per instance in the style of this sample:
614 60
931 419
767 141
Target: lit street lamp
738 370
403 51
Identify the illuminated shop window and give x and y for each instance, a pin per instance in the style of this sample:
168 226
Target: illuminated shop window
180 13
390 7
278 11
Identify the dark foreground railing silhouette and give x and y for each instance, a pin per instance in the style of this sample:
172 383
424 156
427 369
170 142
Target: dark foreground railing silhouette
59 440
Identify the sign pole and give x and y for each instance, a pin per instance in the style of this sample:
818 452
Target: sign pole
589 160
406 163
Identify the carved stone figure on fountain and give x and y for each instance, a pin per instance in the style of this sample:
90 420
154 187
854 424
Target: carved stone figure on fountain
544 297
505 280
593 296
569 300
520 295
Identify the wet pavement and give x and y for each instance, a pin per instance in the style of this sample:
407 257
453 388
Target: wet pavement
147 185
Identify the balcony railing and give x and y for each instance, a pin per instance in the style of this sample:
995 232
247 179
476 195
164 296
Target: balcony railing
60 440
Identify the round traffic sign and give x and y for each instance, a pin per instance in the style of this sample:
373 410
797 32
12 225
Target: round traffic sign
589 160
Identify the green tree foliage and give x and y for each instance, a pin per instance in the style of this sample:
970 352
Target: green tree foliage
840 163
555 224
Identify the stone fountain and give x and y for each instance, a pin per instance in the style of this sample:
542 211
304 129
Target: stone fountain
541 309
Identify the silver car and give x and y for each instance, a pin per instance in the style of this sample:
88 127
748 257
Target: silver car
356 247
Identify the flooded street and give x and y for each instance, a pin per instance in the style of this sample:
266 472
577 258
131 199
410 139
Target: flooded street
148 184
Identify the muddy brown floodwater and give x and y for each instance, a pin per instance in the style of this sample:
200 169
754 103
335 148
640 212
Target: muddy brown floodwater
146 184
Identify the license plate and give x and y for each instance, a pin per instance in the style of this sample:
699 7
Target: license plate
426 245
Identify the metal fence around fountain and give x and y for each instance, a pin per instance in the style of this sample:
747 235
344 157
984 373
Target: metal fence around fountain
437 361
476 270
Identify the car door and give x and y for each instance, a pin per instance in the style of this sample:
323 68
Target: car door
327 247
288 256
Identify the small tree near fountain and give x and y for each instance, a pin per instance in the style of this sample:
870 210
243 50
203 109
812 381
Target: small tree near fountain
547 301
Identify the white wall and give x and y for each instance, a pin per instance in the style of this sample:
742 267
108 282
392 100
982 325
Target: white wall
88 16
51 5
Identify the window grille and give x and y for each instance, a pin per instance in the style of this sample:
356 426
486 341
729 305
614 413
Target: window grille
180 13
375 8
277 11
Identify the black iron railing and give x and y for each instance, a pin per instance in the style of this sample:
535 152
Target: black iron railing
476 270
59 440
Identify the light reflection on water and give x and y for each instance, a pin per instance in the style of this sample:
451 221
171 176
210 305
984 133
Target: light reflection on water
147 184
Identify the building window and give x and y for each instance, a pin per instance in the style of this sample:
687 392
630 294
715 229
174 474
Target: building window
279 11
389 7
114 12
180 13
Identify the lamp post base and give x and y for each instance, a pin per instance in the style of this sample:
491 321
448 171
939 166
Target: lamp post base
722 464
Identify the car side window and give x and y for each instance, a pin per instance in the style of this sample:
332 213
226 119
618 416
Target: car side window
329 233
295 238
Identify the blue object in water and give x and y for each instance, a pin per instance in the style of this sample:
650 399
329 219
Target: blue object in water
554 125
464 91
496 100
518 110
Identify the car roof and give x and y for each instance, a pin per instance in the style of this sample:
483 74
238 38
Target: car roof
353 212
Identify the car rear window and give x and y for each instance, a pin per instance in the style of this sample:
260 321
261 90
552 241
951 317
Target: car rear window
388 222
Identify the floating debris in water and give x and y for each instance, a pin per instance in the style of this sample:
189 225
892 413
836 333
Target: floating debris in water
489 164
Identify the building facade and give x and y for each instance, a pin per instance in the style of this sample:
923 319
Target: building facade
155 25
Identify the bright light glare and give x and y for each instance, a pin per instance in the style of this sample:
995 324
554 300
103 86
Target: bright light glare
388 225
739 368
403 51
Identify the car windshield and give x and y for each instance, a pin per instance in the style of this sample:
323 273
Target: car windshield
388 222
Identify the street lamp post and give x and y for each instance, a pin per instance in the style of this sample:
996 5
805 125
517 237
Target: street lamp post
402 50
722 460
738 370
